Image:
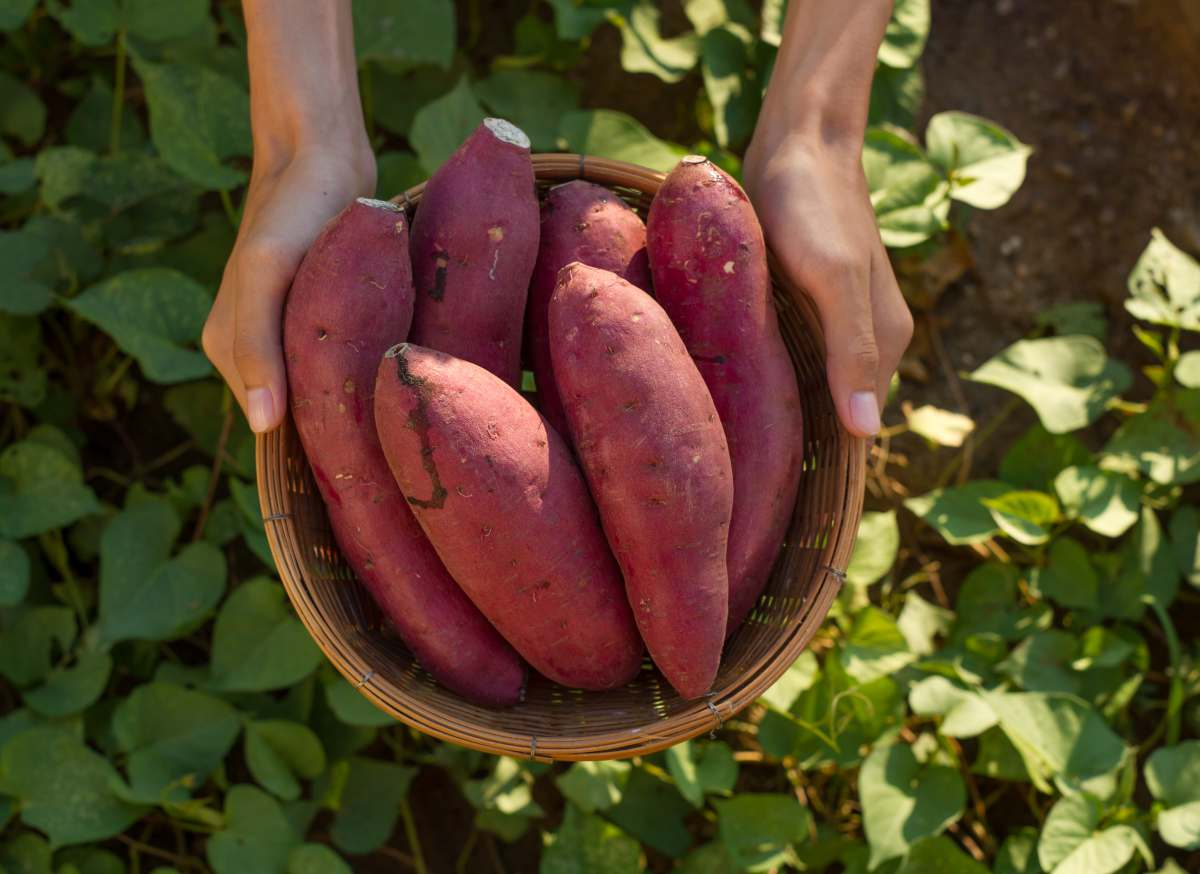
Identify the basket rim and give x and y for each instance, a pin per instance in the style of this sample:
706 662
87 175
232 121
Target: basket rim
693 718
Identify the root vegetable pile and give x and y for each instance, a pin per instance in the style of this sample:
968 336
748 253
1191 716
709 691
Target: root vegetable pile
636 502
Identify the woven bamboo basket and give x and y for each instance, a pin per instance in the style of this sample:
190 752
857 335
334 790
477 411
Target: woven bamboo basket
555 722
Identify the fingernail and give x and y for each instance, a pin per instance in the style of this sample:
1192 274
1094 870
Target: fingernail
260 409
864 412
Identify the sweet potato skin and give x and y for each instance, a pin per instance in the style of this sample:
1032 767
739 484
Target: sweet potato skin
648 437
351 299
581 222
474 242
501 499
708 259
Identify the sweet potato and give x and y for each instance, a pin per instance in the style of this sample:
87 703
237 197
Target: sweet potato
651 445
500 497
586 223
351 299
474 242
709 264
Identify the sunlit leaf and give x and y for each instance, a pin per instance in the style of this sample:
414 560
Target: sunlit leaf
611 134
985 163
585 843
644 50
1165 453
958 512
1024 516
1104 501
441 126
1164 286
906 33
939 426
904 801
533 100
593 786
875 548
910 196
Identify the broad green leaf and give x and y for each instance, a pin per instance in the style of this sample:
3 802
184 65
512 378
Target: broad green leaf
22 113
40 489
199 409
316 859
904 801
593 786
939 426
23 293
505 796
69 690
615 135
644 50
1075 317
1042 663
896 96
14 12
397 172
909 195
279 751
65 789
576 19
173 737
1068 576
999 759
1165 453
585 843
1187 370
759 830
26 853
874 646
735 97
1071 842
533 100
22 379
369 804
145 594
874 549
1036 458
710 858
1147 571
941 855
14 573
904 40
245 496
1164 286
419 32
352 707
31 636
198 119
653 812
1185 543
1104 501
958 512
155 21
699 770
964 713
1026 516
257 836
1067 380
984 162
1173 777
799 676
93 23
441 126
257 644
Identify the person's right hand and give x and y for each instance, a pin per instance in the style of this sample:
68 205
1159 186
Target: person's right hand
286 207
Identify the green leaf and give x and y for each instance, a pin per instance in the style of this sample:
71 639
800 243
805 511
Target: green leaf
896 96
874 549
22 379
706 15
576 19
1075 317
352 707
904 801
585 843
644 50
31 636
939 855
1105 502
159 22
14 574
257 644
920 622
14 12
257 836
799 676
174 738
904 40
23 294
1042 663
422 32
279 751
611 134
964 713
441 126
988 604
93 23
760 829
70 690
958 512
593 786
941 427
26 853
1151 444
199 409
198 119
316 859
145 594
1068 576
653 812
711 858
65 789
909 195
1067 380
874 646
984 162
999 759
1147 571
245 496
1026 516
1038 457
773 12
369 804
1164 286
1172 776
1071 843
699 771
533 100
22 113
41 489
504 798
734 95
1185 543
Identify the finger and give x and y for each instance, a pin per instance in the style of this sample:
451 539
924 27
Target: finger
891 317
263 272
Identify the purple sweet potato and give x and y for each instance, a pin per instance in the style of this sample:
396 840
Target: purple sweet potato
500 497
709 264
474 243
651 444
350 300
586 223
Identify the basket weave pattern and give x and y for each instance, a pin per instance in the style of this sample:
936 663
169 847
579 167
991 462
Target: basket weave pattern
555 722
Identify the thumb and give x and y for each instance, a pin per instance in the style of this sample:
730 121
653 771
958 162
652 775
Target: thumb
263 276
852 357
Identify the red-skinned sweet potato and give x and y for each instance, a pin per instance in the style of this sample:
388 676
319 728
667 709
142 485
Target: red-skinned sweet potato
709 264
651 444
350 300
474 243
501 499
581 222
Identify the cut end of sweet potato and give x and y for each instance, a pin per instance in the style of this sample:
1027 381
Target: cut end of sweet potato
396 351
693 159
379 204
507 132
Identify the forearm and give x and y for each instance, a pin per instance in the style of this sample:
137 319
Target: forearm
820 88
303 80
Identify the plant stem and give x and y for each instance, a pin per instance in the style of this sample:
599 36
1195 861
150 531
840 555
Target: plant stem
460 867
118 104
230 212
410 833
1175 695
214 477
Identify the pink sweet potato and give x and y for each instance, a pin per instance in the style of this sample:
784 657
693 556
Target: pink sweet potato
352 298
652 447
586 223
504 504
474 242
709 265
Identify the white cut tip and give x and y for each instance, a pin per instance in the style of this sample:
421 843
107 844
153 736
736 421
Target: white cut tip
507 132
693 159
379 204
